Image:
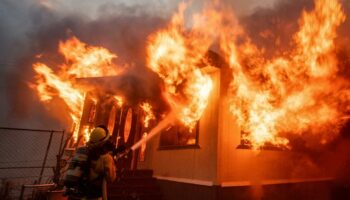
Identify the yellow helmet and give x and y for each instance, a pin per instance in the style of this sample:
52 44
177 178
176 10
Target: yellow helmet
98 136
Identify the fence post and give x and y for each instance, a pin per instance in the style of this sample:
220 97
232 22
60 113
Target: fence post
57 170
45 158
61 143
22 192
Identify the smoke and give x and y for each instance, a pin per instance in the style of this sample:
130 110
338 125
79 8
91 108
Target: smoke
16 19
33 28
272 28
249 7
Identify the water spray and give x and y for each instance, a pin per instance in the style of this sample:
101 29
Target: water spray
162 125
169 119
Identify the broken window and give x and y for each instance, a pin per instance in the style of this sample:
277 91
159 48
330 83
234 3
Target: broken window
179 136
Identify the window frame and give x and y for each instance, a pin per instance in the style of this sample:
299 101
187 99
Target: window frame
181 146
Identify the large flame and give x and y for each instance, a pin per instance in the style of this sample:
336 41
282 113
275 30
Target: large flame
87 61
81 61
297 93
273 99
176 55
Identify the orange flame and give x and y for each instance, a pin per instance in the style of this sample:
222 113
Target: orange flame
87 61
147 108
81 61
293 94
119 100
175 56
86 131
48 85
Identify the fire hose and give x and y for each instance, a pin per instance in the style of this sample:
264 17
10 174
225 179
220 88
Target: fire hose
162 125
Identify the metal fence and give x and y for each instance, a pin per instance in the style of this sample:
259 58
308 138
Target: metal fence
28 156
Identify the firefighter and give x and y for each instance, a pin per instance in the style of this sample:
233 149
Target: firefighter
102 166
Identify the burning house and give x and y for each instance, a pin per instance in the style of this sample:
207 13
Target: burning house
215 127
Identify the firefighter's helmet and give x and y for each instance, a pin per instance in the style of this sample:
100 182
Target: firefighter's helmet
98 136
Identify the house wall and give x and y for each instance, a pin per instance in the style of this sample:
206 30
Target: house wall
237 167
196 165
219 170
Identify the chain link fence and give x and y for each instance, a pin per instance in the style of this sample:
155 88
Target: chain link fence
27 157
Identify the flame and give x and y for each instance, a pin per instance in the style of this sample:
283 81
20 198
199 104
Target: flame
81 61
298 93
119 100
175 56
315 39
87 131
87 61
147 109
48 85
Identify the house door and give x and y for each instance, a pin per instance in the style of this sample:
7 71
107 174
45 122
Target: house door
125 133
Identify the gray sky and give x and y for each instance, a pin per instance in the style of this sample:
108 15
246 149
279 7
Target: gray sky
90 8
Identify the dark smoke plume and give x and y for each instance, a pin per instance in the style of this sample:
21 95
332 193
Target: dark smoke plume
29 29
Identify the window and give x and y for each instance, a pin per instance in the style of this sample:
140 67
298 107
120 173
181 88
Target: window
127 125
178 137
